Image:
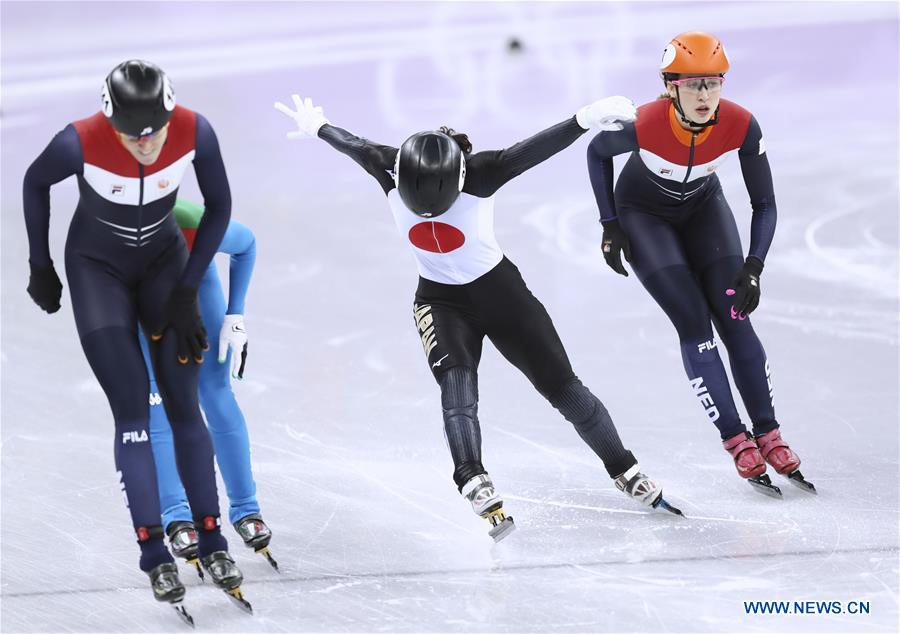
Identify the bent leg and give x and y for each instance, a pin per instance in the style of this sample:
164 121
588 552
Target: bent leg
660 262
114 356
521 329
713 242
105 316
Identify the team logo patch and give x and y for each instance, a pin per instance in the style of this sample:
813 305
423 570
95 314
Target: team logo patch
163 183
117 190
436 237
665 171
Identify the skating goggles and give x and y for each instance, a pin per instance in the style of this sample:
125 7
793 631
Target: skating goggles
142 137
694 85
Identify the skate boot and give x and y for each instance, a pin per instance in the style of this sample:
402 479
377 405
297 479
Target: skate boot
167 587
782 458
183 543
750 464
256 535
486 503
227 576
636 485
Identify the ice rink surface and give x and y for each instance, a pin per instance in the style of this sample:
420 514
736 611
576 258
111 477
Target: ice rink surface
350 462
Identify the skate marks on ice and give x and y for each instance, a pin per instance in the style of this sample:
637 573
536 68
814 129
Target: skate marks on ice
503 599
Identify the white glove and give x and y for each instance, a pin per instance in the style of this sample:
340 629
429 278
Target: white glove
607 114
233 336
308 118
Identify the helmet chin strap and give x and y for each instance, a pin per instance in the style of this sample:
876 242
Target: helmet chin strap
713 121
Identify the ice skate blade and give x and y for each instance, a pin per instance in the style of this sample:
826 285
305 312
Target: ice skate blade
662 504
796 478
265 552
183 614
764 485
238 599
196 563
501 530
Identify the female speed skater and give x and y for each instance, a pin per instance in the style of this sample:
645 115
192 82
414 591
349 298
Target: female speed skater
670 218
126 262
468 289
227 426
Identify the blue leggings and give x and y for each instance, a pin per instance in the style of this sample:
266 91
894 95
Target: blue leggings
223 416
686 263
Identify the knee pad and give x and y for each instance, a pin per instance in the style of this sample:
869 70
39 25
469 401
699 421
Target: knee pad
459 399
459 392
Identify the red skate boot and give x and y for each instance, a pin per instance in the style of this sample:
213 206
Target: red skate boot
783 459
750 463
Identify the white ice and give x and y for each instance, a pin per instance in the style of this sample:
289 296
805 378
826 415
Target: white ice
351 466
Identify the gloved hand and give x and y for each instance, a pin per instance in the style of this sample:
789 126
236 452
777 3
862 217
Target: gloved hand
183 316
614 243
234 336
745 289
44 287
308 118
607 114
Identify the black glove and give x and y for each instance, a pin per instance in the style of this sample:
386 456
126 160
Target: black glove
44 287
614 243
183 316
745 289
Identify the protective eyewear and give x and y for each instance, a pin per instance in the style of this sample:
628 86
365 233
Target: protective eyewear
142 137
696 84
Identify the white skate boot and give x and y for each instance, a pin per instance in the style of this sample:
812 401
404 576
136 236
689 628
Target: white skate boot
486 503
638 486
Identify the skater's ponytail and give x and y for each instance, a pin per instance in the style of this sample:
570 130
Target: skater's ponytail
462 140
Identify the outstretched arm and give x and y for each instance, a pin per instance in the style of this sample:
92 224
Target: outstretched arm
376 159
486 172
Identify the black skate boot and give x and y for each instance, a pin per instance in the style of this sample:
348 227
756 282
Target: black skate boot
256 535
183 543
226 575
167 587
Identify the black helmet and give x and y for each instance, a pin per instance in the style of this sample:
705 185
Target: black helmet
429 172
138 98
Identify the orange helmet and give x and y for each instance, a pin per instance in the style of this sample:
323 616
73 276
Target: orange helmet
694 53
